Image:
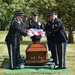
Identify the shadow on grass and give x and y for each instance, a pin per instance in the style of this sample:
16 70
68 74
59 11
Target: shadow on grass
25 42
4 63
22 42
3 42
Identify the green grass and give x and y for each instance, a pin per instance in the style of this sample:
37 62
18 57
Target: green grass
4 56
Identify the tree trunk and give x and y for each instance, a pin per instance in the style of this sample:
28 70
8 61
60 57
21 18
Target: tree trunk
70 36
2 27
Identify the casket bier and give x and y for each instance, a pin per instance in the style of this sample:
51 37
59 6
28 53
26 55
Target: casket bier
36 54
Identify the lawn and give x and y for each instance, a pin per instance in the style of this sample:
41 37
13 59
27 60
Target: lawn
4 56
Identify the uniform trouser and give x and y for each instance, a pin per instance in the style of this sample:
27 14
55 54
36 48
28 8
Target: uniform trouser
53 51
14 54
51 47
58 52
61 54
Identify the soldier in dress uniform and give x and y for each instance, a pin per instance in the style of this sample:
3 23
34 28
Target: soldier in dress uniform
36 24
57 39
25 18
56 16
13 39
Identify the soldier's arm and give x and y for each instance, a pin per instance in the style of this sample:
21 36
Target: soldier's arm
19 28
47 32
59 24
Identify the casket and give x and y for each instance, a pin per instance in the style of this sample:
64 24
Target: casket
36 54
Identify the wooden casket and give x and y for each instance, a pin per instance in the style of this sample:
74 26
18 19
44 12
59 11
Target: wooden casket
36 54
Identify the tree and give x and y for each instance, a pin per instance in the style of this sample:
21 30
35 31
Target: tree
42 6
7 7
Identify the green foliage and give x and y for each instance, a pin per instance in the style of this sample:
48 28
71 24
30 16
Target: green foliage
65 8
6 11
42 6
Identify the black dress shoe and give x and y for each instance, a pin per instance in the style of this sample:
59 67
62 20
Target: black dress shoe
64 68
11 68
60 68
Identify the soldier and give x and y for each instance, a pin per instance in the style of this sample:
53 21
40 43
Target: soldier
25 18
56 16
37 24
13 39
57 39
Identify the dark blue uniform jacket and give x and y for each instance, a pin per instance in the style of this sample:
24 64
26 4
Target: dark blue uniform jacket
15 30
37 25
55 31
